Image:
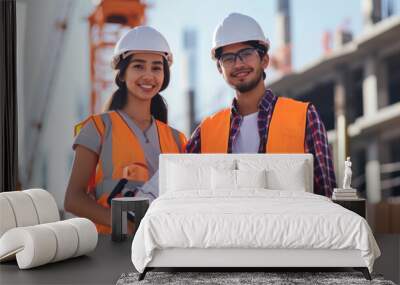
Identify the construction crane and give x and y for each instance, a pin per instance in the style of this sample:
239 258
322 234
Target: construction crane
109 20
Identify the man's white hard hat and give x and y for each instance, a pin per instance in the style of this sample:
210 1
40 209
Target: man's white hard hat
141 39
237 28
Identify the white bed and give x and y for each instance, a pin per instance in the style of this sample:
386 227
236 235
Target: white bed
247 210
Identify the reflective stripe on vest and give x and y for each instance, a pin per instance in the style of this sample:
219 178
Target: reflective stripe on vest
286 131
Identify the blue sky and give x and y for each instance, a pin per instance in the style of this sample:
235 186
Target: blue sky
310 18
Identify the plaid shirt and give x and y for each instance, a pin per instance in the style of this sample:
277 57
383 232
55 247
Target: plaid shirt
315 141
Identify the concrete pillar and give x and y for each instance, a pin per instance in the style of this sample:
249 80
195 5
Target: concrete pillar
341 125
190 77
372 12
385 156
284 53
373 173
370 87
283 23
382 84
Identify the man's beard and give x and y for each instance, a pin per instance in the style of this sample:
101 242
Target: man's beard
248 86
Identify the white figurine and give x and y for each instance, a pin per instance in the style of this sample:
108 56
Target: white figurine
347 174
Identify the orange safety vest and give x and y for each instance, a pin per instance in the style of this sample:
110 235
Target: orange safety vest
121 155
286 131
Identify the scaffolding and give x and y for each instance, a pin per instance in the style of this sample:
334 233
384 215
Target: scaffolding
108 22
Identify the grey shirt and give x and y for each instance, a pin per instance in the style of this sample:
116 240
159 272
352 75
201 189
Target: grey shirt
148 140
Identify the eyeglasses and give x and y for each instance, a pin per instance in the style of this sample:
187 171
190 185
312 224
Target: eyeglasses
229 59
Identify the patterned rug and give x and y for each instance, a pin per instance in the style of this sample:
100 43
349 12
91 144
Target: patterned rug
225 278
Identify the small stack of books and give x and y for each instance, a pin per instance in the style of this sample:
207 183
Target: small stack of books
344 194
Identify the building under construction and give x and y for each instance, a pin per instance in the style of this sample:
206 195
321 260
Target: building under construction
355 86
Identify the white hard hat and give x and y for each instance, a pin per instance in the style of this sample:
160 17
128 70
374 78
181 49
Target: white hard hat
237 28
141 38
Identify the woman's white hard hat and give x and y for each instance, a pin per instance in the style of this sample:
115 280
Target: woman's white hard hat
237 28
141 39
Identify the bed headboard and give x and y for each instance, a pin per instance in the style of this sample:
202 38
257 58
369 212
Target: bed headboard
276 161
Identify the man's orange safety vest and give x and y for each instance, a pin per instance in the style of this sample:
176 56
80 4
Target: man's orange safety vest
121 155
286 131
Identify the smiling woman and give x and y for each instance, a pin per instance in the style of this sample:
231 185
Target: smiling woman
140 77
141 82
121 146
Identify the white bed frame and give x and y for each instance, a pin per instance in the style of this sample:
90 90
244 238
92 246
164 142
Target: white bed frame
250 258
234 257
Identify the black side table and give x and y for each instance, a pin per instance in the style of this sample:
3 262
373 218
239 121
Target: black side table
119 209
356 205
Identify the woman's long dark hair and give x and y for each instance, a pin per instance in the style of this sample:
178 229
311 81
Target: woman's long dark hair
158 106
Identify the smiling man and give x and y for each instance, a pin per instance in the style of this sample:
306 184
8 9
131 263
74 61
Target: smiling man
258 121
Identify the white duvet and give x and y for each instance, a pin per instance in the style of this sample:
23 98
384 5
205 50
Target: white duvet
252 218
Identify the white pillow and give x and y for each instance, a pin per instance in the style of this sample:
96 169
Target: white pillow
182 177
280 174
193 176
293 179
251 178
237 179
223 179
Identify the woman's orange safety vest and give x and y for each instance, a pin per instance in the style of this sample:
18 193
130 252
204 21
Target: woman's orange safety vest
121 155
286 131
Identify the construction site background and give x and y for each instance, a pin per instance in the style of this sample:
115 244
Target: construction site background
63 71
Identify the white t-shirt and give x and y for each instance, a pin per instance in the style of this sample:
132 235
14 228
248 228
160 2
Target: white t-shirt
248 138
